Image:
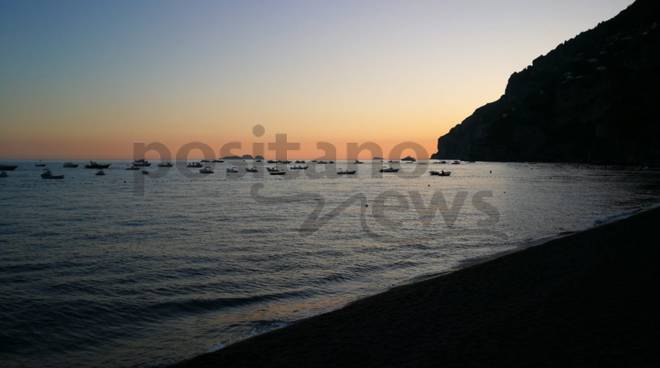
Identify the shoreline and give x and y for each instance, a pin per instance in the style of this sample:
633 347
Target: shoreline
389 316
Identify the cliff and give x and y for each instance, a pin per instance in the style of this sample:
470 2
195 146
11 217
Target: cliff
594 98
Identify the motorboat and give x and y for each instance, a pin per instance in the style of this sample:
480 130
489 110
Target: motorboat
206 170
145 172
232 170
218 161
300 161
346 172
358 162
8 167
206 161
251 169
298 167
100 173
165 164
141 163
456 162
195 165
408 159
389 170
40 164
96 165
271 161
69 165
277 172
46 174
440 173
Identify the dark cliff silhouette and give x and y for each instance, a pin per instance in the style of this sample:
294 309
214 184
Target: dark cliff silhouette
595 98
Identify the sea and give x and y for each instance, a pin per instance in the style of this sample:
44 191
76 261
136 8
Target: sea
134 269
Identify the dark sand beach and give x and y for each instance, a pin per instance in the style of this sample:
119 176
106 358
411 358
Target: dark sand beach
588 299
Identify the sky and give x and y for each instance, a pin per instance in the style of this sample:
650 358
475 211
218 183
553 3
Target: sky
88 79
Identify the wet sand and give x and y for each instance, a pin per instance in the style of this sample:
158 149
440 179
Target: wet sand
588 299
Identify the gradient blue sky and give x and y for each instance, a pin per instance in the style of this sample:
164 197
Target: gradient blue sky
88 78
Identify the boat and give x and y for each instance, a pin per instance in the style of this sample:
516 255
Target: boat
300 161
232 170
206 161
145 172
46 174
298 167
69 165
165 164
389 170
321 162
272 169
195 165
141 163
40 164
8 167
271 161
440 173
3 174
251 169
258 161
358 162
100 173
408 159
218 161
456 162
133 168
393 161
277 172
206 170
346 172
96 165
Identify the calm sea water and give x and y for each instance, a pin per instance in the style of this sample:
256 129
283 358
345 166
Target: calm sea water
102 271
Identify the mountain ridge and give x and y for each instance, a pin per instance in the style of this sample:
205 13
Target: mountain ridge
594 98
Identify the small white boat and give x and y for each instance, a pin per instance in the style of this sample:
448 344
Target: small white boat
206 170
389 170
232 170
440 173
46 174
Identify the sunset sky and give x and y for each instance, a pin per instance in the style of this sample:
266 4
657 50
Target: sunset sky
87 79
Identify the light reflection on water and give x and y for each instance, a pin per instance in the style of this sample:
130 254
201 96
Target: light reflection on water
93 274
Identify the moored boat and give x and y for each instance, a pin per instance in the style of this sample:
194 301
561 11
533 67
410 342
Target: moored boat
346 172
141 163
440 173
69 165
100 173
232 170
165 164
277 172
251 169
389 170
8 167
96 165
46 174
206 170
3 174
